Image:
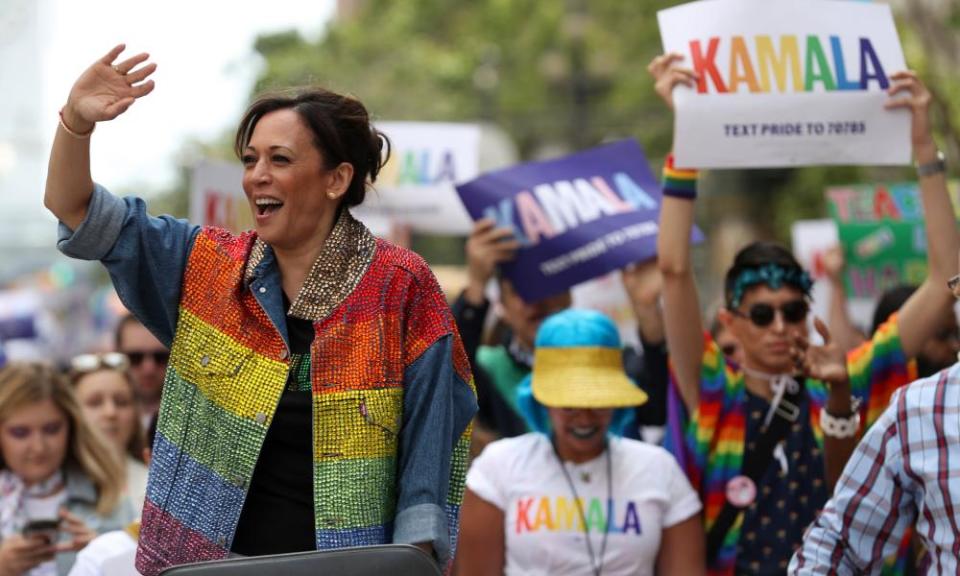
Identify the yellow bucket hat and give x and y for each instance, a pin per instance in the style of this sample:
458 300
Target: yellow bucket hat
578 363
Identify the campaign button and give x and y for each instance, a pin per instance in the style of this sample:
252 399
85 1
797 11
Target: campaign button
741 491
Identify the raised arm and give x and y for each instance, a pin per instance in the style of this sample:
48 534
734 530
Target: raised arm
487 247
920 315
828 363
643 285
681 305
104 91
841 326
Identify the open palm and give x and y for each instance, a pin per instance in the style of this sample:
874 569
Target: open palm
105 90
827 362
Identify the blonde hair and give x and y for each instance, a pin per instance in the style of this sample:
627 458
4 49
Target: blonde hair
23 384
138 440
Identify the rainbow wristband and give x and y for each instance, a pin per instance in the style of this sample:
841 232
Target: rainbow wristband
679 182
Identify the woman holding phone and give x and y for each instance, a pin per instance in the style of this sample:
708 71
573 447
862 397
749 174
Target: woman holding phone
60 484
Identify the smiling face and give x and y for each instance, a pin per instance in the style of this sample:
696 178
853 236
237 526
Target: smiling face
580 433
292 195
33 441
108 404
765 348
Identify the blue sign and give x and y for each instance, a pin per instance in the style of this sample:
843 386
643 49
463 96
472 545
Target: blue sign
577 217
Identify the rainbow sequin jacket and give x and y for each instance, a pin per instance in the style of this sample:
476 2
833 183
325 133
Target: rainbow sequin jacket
392 391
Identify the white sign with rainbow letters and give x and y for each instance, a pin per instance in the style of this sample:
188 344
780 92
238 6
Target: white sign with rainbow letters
786 83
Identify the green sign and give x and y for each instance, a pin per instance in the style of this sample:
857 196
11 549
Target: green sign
882 231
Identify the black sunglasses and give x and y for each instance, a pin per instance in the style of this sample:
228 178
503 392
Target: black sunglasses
160 357
762 315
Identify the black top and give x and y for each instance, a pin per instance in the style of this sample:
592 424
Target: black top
787 502
277 515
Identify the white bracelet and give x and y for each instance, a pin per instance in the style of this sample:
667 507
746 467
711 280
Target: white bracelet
835 427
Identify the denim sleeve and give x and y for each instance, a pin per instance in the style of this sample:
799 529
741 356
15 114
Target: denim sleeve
437 407
145 255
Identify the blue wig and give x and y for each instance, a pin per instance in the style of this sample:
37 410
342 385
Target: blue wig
572 328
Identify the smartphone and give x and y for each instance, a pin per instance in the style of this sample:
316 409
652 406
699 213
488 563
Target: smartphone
48 528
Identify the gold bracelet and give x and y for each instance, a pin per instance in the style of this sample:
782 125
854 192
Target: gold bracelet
73 132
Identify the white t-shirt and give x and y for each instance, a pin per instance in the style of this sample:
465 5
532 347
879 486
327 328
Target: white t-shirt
543 528
110 554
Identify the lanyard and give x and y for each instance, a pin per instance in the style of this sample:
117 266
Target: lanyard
595 566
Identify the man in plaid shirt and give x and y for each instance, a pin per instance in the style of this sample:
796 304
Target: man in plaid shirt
904 471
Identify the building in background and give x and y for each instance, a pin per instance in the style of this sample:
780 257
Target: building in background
27 231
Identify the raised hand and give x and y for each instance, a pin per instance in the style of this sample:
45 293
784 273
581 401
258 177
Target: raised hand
827 362
106 89
908 91
643 283
666 75
487 247
834 264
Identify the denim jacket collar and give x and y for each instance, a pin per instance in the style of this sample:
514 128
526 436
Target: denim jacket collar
346 255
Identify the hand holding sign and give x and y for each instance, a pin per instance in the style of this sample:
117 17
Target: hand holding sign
778 84
487 247
574 218
834 264
666 76
910 93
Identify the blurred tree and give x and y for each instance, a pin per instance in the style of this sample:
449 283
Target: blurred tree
931 38
557 75
560 75
552 73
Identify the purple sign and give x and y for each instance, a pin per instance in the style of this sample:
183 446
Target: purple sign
577 217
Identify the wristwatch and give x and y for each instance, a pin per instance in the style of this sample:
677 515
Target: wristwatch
938 166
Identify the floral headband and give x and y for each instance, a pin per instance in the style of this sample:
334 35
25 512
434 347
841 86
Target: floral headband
774 276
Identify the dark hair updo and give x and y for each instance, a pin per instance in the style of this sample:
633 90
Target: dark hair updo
761 256
341 128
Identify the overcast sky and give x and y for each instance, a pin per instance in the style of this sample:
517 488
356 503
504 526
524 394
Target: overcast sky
206 67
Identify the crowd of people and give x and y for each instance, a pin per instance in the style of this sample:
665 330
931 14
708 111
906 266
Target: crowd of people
307 386
73 447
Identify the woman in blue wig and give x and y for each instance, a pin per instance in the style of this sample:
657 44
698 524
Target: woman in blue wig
574 497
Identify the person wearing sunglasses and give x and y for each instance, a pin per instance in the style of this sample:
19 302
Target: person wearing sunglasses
105 389
762 442
148 362
60 484
317 394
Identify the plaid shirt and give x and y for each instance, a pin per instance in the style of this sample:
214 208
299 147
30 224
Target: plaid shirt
903 472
